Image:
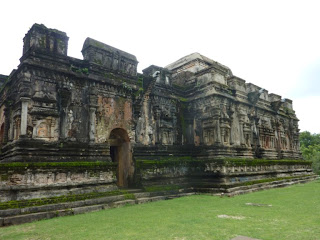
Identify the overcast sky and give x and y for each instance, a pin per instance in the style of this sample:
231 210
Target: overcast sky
272 44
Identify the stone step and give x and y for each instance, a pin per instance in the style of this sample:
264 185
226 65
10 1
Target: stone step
158 198
132 190
180 195
60 206
264 186
73 208
82 203
142 195
143 200
30 214
254 187
123 203
86 209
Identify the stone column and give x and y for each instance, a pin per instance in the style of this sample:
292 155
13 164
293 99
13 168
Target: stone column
217 131
216 122
11 129
92 124
64 95
24 115
278 140
241 122
230 133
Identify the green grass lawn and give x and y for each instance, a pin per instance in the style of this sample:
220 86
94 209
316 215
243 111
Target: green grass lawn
295 214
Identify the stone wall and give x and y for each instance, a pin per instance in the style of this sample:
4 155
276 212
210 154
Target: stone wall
102 54
224 174
30 181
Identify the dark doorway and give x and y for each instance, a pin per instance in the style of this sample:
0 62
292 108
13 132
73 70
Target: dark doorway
1 134
120 153
113 153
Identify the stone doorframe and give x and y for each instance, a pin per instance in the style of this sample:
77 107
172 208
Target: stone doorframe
121 153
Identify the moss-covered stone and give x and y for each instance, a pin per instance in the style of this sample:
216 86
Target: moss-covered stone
61 199
50 165
189 161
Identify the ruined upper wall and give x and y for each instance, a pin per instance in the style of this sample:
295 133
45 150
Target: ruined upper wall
198 66
109 57
43 38
198 70
194 62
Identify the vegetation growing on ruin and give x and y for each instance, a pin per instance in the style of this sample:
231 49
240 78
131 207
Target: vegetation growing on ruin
140 84
39 165
289 112
126 86
84 71
286 213
182 99
189 161
182 88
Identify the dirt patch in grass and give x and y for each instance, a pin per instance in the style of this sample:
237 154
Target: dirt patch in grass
231 217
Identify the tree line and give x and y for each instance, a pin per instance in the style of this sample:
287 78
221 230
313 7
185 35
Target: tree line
310 148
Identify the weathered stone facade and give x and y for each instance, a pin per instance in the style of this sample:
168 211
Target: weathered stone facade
55 108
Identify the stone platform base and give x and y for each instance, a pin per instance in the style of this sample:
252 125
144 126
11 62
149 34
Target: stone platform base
137 196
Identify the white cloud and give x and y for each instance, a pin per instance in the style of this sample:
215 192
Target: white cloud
307 111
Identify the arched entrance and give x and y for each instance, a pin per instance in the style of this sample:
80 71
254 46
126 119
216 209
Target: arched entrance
120 152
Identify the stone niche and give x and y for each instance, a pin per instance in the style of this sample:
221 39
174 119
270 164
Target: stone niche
109 57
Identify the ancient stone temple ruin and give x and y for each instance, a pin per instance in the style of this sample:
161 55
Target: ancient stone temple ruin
71 126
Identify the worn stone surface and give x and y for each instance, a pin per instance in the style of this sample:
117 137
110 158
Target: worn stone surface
123 203
55 108
28 218
86 209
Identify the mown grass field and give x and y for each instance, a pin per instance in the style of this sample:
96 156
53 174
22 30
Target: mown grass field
294 214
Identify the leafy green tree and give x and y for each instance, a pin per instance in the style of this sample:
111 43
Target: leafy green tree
307 139
310 148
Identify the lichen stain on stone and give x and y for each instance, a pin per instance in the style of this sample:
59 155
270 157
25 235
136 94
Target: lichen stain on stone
113 113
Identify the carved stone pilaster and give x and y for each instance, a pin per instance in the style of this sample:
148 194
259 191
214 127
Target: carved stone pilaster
157 118
64 97
216 119
241 122
24 115
92 124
